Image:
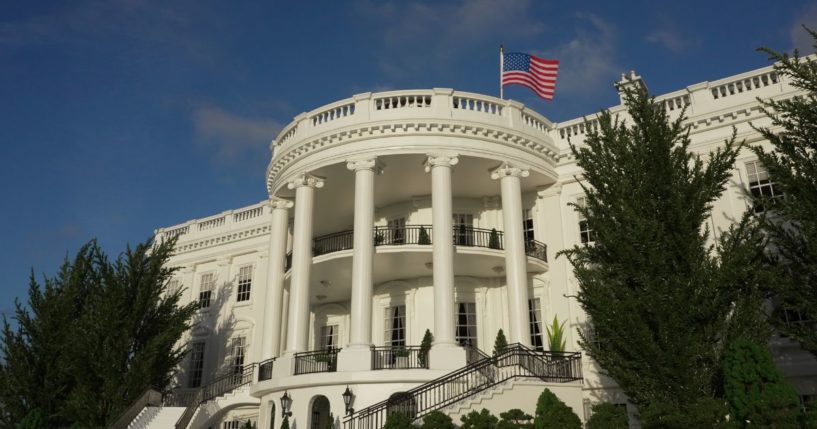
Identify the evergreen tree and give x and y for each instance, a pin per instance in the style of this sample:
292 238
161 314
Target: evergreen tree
792 219
285 423
425 347
92 338
552 413
757 391
501 343
663 301
397 420
515 418
479 420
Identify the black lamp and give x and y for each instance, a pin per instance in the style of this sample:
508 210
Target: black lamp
286 402
348 398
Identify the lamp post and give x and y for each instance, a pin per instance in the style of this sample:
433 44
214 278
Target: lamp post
348 398
286 402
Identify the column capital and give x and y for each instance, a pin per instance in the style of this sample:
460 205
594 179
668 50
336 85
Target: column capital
280 203
506 170
439 160
365 164
306 179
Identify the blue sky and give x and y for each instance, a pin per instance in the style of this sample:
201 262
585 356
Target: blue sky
121 116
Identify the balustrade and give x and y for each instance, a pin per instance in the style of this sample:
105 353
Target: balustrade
399 357
316 361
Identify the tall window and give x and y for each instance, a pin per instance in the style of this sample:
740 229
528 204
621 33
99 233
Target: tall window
244 283
196 364
586 234
395 326
238 349
466 332
397 231
463 229
206 286
173 286
760 185
535 309
328 337
527 225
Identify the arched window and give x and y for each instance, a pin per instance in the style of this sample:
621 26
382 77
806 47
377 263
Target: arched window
319 414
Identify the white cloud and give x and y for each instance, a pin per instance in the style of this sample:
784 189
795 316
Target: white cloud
800 39
232 137
587 62
669 39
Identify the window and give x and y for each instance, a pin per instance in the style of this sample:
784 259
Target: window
586 234
244 283
527 225
173 286
395 326
535 309
463 229
238 349
328 337
206 286
760 186
397 231
196 364
466 328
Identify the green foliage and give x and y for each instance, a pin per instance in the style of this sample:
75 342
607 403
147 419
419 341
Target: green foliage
437 420
756 390
515 418
501 343
791 222
250 425
479 420
663 299
33 420
398 420
608 416
556 335
552 413
285 423
493 239
704 412
330 423
92 338
423 237
425 347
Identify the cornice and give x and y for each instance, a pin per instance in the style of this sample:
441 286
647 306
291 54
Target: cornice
221 239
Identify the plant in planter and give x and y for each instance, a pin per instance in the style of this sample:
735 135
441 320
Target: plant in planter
501 343
401 351
493 239
423 238
425 346
556 336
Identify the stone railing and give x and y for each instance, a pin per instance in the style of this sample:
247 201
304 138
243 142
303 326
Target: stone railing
213 224
439 104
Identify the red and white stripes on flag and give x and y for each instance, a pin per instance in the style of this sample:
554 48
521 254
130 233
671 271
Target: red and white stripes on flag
536 73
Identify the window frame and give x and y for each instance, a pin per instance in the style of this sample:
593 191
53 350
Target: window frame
244 283
760 186
206 289
534 318
196 364
395 313
469 337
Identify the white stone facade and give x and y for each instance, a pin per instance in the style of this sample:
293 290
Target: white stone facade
345 253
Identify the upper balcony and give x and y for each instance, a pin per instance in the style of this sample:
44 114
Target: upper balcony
412 121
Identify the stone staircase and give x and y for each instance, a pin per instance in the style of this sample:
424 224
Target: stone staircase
157 418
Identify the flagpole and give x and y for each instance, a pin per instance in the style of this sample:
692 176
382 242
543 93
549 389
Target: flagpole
501 68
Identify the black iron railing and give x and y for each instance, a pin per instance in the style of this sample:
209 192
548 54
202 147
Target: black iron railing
398 357
316 361
462 235
482 374
265 369
536 250
221 385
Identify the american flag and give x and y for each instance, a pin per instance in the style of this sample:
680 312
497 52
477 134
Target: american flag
536 73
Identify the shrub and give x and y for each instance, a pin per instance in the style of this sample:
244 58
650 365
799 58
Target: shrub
704 413
479 420
608 416
437 420
425 347
285 423
552 413
515 418
556 335
423 238
398 420
493 239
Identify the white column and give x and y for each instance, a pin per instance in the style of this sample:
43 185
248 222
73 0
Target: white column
271 336
298 325
516 272
360 334
443 247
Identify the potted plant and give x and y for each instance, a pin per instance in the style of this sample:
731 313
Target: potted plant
425 346
493 239
423 237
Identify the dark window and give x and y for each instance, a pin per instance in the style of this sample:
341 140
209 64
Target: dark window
206 286
535 309
395 324
196 364
244 283
761 186
466 329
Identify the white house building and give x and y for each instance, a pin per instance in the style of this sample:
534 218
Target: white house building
394 213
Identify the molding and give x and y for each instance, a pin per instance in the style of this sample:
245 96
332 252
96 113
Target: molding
228 237
507 170
439 160
306 179
371 164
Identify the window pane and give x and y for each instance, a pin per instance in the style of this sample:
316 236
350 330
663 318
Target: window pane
244 283
395 326
196 364
466 326
206 286
535 309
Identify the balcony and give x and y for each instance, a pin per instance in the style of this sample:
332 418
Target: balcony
399 357
316 361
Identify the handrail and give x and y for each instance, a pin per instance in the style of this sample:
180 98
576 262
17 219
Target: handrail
150 397
479 375
325 360
398 357
265 369
221 385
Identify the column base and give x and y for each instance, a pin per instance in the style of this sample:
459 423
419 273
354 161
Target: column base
446 356
355 358
284 366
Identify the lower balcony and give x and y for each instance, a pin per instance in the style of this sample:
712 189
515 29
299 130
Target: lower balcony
316 361
399 357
